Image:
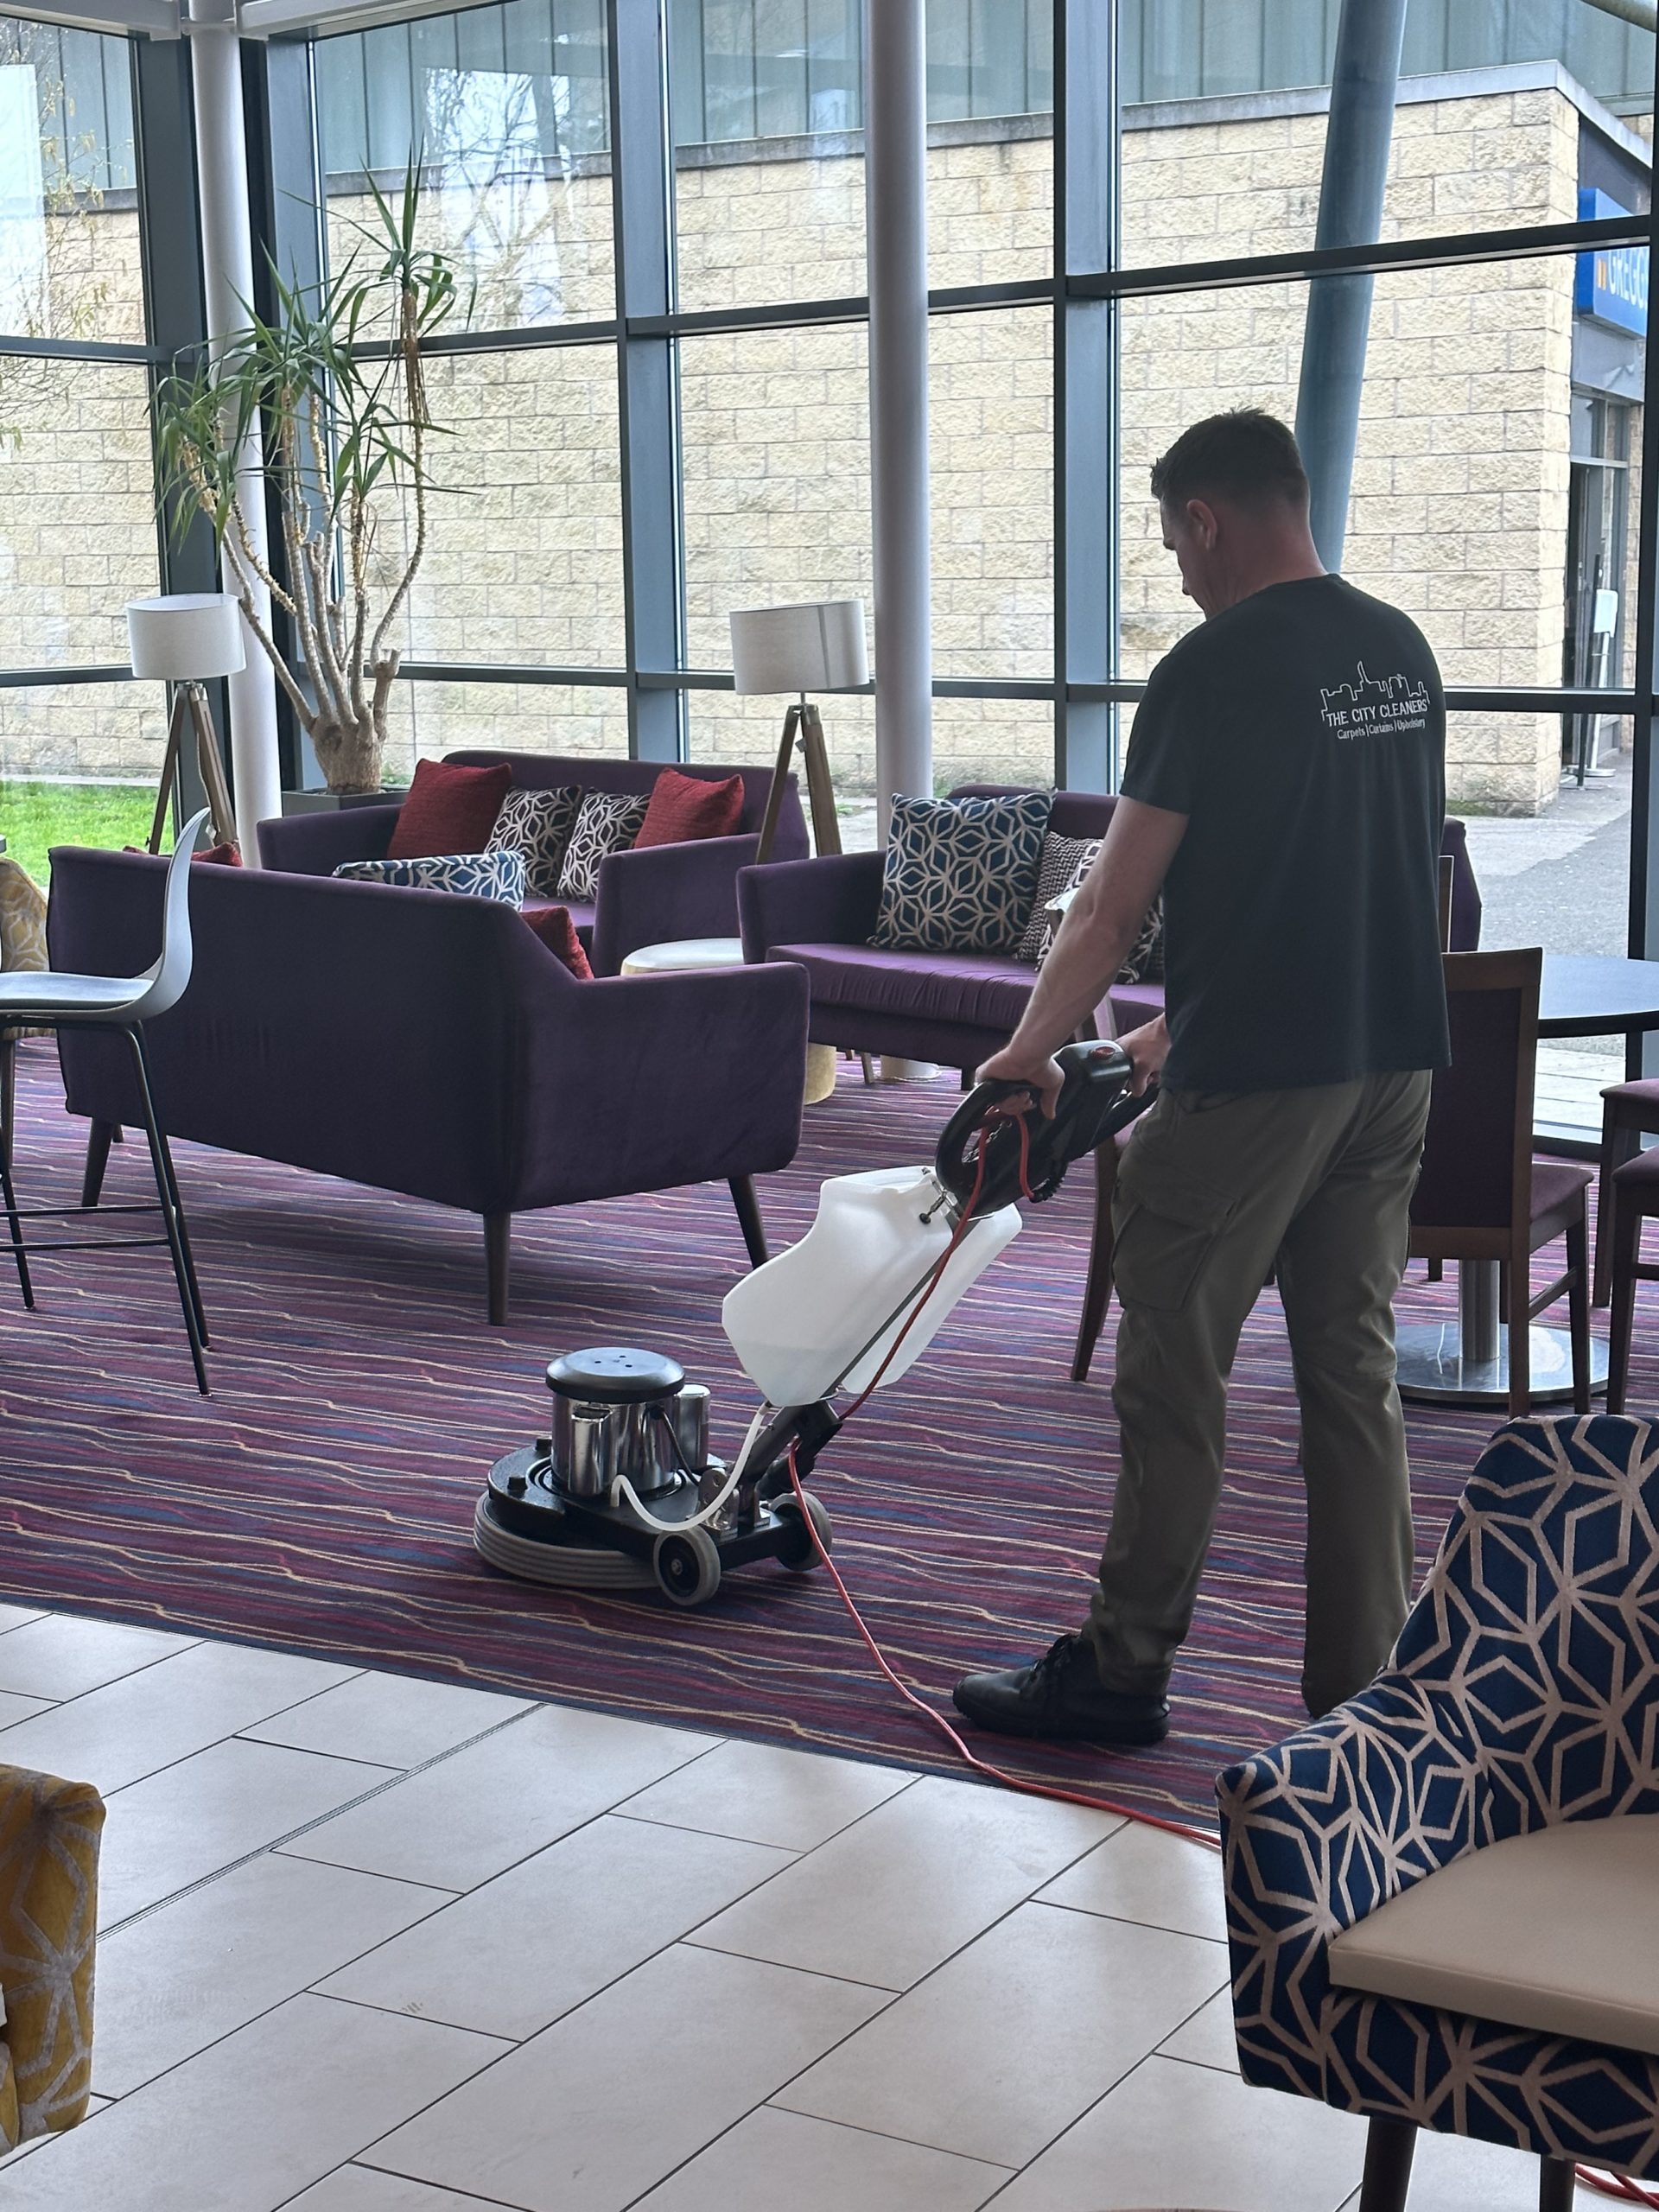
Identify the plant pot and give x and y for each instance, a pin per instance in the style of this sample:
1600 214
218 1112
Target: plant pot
336 802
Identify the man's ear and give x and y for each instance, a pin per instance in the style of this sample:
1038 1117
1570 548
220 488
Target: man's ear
1202 522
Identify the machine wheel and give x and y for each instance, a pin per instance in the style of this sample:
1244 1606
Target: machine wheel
798 1553
687 1567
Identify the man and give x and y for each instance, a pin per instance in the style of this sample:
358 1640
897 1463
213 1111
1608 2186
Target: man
1284 788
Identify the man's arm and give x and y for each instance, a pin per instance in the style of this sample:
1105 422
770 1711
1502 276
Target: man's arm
1101 923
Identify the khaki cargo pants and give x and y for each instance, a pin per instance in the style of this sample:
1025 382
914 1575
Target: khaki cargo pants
1215 1189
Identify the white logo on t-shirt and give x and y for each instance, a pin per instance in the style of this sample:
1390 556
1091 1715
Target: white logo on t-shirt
1392 703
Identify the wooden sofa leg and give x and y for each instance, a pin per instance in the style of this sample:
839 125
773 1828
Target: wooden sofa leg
748 1219
1097 1289
99 1138
1555 2185
497 1262
1388 2147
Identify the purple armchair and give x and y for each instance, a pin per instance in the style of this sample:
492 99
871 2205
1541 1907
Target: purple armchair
645 898
429 1044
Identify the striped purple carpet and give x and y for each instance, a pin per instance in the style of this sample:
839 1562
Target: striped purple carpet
322 1500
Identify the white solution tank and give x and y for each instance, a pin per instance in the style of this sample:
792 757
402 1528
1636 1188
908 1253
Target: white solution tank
799 1322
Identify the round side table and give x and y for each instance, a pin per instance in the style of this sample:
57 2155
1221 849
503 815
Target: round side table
687 952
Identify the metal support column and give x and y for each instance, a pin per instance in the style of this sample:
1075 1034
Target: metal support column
1085 392
1643 1057
641 188
895 198
1363 85
227 270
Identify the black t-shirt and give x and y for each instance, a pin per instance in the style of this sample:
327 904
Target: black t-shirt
1303 733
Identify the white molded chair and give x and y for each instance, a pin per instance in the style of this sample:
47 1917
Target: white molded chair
49 1000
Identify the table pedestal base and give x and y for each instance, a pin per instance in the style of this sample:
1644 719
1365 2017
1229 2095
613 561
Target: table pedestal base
1433 1371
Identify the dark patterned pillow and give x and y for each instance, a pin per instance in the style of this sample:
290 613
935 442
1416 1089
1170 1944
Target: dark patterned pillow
1144 961
476 875
607 822
539 825
960 873
1064 863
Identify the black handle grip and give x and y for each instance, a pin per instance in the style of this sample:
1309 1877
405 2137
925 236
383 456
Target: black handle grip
1093 1103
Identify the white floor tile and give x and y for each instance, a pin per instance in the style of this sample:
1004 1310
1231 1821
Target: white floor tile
608 2102
174 1827
258 2117
13 1616
796 1799
134 1727
180 1979
1016 2036
64 1655
391 1719
1207 2039
494 1803
1187 2135
774 2158
12 1709
1143 1874
885 1902
513 1956
360 2189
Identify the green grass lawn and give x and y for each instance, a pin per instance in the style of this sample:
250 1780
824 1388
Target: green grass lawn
34 817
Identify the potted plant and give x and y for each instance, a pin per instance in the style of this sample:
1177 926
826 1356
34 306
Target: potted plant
332 391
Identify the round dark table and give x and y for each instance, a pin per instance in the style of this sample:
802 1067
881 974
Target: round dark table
1467 1362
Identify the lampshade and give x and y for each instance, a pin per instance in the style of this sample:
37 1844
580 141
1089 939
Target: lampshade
817 647
186 636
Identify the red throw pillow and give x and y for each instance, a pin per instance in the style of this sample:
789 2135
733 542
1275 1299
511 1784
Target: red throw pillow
685 808
553 926
450 809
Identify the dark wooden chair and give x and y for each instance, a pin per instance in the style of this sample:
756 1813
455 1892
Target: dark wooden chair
1481 1195
1632 1200
1627 1109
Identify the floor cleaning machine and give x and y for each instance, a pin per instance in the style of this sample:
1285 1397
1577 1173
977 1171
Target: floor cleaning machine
624 1492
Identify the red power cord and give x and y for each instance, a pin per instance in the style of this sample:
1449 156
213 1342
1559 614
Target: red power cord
1615 2185
929 1713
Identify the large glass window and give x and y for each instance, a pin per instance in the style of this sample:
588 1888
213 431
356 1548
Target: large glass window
77 538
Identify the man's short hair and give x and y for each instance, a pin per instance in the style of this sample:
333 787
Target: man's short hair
1247 456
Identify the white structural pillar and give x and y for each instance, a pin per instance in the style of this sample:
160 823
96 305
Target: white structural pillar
895 220
227 268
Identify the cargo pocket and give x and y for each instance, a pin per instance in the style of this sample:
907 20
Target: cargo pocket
1165 1232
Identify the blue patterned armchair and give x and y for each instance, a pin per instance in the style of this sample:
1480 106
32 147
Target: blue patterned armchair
1523 1696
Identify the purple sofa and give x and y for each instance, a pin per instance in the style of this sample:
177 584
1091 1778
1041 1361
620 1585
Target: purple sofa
429 1044
645 898
955 1008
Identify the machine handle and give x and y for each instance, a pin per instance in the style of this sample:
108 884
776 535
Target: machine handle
1093 1103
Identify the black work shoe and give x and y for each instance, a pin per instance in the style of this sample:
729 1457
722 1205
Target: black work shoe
1060 1696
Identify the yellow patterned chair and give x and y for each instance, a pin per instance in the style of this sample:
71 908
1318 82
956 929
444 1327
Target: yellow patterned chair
50 1833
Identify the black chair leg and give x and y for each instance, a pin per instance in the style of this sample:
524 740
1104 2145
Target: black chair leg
1388 2147
748 1219
167 1193
1555 2185
7 1104
99 1138
1578 1307
498 1264
1621 1237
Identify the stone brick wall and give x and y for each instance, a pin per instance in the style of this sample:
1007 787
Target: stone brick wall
1460 485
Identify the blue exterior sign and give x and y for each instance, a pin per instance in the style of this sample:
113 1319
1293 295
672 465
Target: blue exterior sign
1610 283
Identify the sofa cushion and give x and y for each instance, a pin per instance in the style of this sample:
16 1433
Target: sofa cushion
449 809
683 808
539 825
1064 863
474 875
606 822
1557 1931
553 927
975 990
960 873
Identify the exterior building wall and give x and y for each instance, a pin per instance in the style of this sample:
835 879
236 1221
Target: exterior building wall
1461 484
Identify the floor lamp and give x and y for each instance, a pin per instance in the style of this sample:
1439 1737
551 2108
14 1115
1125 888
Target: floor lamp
184 638
817 647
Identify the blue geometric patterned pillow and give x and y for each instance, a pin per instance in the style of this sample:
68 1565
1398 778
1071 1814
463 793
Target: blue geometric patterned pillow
475 875
961 873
